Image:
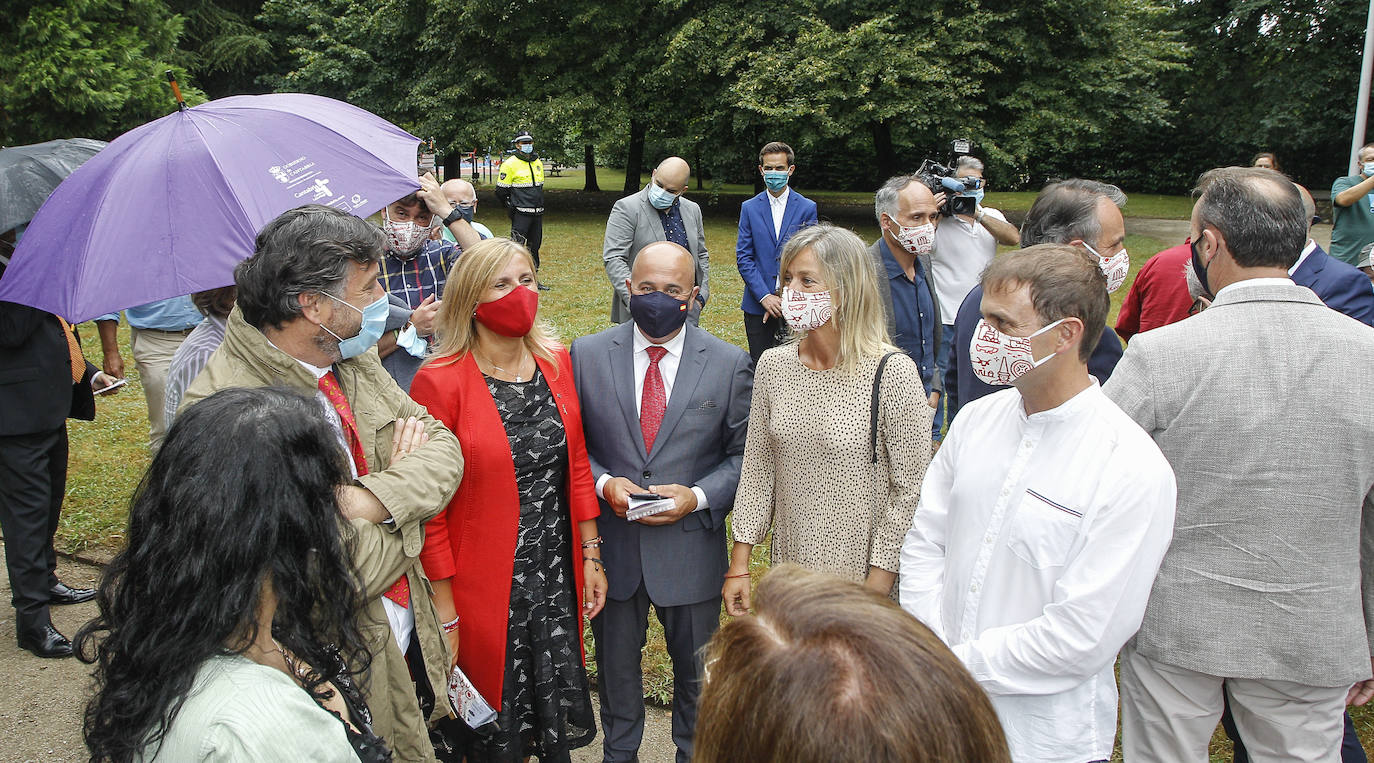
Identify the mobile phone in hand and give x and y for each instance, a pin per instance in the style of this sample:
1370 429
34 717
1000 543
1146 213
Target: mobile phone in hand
116 385
646 496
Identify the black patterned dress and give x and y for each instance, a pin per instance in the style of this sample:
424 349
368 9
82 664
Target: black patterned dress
546 707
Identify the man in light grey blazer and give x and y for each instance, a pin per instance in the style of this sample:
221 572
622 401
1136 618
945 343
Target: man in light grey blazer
1261 593
665 407
659 212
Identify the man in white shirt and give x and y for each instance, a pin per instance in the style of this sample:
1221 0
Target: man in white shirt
964 246
665 407
1044 517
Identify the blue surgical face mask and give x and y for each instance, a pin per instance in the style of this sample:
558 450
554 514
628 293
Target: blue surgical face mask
660 198
976 194
526 148
776 180
374 323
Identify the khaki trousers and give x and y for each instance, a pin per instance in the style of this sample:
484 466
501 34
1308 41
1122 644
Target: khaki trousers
153 351
1168 714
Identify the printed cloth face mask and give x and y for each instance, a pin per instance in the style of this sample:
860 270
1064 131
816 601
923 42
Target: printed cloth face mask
1000 359
1114 268
805 311
405 238
918 240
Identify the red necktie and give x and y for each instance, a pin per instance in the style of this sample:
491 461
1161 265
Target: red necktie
329 385
653 400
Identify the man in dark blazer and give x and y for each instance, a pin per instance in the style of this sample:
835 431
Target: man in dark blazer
665 407
1342 287
659 212
1080 212
37 395
765 223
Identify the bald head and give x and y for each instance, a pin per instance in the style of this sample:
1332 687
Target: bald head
664 262
459 192
672 173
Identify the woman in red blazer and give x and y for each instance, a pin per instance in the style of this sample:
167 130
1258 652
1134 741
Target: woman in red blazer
515 557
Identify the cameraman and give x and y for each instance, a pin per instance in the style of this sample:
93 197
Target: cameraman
964 247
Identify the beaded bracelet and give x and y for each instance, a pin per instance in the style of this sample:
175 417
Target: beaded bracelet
596 561
451 625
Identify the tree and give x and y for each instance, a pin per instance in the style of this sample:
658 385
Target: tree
87 68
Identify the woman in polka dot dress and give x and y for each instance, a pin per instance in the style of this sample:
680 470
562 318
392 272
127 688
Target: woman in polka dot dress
836 498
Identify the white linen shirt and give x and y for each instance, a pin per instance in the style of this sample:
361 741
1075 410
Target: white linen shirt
1032 554
778 205
667 368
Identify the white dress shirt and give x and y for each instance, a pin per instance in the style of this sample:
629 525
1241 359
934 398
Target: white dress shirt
1032 554
778 205
402 619
667 368
1306 252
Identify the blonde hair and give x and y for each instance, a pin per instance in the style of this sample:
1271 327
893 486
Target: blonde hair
856 304
468 281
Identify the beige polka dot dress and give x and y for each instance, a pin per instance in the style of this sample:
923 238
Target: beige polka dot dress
807 472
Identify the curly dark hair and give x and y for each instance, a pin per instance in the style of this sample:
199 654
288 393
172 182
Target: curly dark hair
241 495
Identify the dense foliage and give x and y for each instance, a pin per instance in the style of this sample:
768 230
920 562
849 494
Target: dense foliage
1143 92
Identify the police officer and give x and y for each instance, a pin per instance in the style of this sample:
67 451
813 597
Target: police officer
521 188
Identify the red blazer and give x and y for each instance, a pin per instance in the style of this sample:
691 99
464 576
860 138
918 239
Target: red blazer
473 539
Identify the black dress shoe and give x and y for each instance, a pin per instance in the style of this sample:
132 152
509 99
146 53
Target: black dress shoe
61 594
45 641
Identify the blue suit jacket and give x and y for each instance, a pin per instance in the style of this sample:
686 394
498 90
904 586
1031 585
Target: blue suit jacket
700 442
962 386
758 252
1344 288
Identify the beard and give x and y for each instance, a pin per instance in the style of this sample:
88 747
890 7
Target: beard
344 328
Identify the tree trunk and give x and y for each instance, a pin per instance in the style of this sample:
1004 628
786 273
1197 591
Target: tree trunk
884 156
634 162
589 162
697 169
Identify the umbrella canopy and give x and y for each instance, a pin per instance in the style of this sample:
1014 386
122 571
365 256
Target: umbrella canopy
29 173
169 208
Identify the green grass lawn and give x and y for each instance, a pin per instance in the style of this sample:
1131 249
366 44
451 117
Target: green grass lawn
108 456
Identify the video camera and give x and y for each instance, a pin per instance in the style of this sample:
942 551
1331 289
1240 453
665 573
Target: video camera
940 179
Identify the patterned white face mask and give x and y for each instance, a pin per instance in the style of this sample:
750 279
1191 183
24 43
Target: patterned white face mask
999 359
918 240
805 311
1114 268
405 237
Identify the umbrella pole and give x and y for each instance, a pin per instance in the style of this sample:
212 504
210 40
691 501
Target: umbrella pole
176 91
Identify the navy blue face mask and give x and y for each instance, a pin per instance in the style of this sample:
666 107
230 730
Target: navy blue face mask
1200 270
658 314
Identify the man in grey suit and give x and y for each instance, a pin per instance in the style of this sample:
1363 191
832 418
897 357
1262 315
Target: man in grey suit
1261 592
665 407
660 212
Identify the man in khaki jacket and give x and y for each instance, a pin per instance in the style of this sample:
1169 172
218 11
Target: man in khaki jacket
306 319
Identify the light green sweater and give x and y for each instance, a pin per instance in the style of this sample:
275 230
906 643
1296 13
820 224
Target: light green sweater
238 710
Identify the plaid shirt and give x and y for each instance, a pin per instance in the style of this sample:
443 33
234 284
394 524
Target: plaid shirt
421 276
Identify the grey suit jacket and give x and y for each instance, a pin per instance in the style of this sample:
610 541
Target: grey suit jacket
875 253
700 442
1257 404
633 225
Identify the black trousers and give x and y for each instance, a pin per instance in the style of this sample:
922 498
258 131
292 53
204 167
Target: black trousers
528 230
763 331
33 480
620 634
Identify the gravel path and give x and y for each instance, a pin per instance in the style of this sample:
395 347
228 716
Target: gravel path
42 701
1173 232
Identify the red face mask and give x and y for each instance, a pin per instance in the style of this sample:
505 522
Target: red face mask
511 315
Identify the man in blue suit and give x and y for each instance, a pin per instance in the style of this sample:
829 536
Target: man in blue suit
1342 287
1078 212
665 407
765 223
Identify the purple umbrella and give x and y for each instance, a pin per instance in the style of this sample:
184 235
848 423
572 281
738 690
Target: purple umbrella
169 208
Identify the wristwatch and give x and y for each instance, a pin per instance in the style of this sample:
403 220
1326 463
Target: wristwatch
453 217
980 214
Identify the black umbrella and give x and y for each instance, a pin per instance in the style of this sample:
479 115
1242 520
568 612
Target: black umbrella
29 173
